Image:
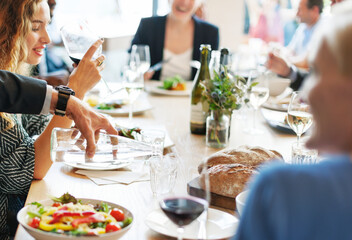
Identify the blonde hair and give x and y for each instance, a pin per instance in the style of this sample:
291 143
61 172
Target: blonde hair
15 24
339 35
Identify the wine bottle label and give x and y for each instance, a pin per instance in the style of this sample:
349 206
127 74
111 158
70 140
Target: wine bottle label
197 114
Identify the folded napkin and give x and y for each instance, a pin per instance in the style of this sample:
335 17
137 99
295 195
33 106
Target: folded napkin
112 177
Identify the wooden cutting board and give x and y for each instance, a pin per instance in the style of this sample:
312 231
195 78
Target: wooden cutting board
194 189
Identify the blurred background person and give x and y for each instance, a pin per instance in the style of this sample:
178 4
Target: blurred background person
313 201
175 39
309 15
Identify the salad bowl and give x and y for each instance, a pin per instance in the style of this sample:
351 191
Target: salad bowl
24 219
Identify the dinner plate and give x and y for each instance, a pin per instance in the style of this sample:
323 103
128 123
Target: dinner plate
154 88
139 107
220 225
42 235
276 120
99 166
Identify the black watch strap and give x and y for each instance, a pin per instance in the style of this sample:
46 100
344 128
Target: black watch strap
63 96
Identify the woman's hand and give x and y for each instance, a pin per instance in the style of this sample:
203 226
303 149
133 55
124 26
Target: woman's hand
87 73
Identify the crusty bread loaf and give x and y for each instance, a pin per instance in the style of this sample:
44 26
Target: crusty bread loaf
229 179
249 156
230 169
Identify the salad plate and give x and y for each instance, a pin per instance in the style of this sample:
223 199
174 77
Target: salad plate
155 87
24 219
220 225
139 107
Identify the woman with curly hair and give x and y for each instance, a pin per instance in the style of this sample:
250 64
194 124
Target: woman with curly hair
23 37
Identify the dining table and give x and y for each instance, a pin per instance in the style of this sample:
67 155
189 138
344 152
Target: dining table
173 113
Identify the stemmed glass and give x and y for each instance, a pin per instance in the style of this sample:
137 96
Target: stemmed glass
78 38
258 93
182 208
141 52
298 116
133 84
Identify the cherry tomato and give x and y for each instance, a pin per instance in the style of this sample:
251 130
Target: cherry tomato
117 214
56 204
34 223
112 227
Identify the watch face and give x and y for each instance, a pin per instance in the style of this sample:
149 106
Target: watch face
65 90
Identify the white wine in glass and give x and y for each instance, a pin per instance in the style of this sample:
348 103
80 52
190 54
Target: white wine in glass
257 94
133 85
298 116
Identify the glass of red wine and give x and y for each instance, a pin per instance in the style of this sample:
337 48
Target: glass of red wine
78 38
182 208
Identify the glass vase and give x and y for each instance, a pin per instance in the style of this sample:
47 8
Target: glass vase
217 129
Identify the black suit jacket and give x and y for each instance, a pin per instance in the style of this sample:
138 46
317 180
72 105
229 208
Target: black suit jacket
151 31
19 94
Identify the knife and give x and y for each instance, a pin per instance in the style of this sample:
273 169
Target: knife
157 66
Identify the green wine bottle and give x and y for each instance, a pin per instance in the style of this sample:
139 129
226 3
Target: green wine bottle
198 116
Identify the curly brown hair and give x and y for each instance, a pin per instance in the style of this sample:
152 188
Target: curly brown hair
15 24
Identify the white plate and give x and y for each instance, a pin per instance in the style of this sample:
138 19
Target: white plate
153 87
220 225
42 235
98 166
139 107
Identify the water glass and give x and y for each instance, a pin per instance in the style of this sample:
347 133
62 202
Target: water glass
163 173
154 137
303 155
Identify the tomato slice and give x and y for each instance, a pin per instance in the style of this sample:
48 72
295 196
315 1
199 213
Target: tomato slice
34 223
117 214
112 227
56 204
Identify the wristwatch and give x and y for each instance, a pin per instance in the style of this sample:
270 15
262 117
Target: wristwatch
63 96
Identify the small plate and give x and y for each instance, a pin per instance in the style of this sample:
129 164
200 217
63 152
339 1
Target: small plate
220 225
154 88
99 166
42 235
139 107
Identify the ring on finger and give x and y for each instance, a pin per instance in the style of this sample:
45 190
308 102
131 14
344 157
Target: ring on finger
100 62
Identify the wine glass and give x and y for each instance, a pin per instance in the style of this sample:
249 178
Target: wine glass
78 38
298 116
258 93
182 208
142 53
133 84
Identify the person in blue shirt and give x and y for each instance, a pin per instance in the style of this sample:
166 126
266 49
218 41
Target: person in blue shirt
313 201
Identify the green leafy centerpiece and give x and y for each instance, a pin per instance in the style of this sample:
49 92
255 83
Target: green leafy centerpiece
221 95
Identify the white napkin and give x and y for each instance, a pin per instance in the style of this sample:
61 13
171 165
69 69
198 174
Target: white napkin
112 177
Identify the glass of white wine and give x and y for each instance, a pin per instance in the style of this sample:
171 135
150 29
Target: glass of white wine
132 83
258 93
298 116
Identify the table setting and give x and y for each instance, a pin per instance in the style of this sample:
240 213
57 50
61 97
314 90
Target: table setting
161 176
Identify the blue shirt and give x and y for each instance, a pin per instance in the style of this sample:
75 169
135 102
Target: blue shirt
300 202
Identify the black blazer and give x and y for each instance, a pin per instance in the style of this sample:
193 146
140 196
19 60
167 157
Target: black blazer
19 94
151 31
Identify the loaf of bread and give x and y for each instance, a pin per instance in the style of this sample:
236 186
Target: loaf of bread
249 156
229 179
230 169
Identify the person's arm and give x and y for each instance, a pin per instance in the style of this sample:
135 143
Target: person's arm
19 94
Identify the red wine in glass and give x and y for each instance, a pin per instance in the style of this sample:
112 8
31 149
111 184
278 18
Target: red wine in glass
76 58
182 210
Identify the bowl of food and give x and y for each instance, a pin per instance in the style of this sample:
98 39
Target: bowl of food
241 200
82 219
277 85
